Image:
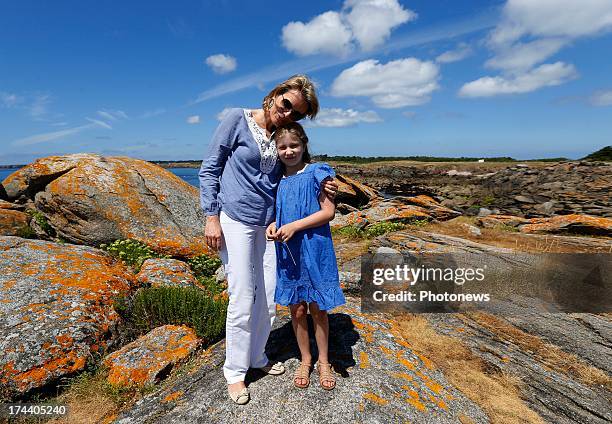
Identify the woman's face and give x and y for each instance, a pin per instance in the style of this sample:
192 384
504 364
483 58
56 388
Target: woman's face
288 107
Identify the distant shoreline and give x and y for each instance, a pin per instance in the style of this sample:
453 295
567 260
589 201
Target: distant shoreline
604 154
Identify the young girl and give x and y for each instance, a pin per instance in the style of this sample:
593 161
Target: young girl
307 274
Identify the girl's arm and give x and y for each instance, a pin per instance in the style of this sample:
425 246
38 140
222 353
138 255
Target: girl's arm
323 216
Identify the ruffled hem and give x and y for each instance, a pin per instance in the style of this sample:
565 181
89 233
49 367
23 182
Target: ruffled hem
327 298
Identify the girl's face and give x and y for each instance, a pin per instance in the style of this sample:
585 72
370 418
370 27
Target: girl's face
290 150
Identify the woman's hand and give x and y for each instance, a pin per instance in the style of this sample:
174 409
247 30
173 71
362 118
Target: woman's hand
213 232
330 188
271 231
285 232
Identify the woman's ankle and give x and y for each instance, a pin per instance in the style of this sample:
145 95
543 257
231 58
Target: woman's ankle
236 386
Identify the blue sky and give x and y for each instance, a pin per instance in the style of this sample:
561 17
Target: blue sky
520 78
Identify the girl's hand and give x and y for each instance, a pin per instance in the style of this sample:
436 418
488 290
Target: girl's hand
330 188
271 231
213 232
285 232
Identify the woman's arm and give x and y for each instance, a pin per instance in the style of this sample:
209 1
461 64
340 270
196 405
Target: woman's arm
210 171
323 216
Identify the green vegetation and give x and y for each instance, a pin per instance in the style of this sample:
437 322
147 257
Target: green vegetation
42 222
488 200
204 265
132 252
604 154
26 232
371 231
156 306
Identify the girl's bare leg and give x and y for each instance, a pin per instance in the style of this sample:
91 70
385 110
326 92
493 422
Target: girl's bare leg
300 328
321 325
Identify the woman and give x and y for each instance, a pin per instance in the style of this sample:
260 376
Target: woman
238 181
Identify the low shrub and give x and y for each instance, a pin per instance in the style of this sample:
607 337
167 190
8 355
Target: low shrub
380 228
156 306
132 252
204 266
371 231
42 222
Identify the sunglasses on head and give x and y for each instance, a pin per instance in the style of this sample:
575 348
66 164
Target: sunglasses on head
287 105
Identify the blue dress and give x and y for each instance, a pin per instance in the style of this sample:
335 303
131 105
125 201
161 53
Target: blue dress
314 275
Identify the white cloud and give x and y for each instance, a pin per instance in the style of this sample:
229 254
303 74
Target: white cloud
41 138
601 98
325 33
371 21
8 99
195 119
522 56
221 115
221 63
152 113
99 123
365 22
552 18
38 107
462 51
543 76
112 115
336 117
529 33
399 83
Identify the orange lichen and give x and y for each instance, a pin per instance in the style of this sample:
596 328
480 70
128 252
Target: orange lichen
403 375
364 361
173 396
376 399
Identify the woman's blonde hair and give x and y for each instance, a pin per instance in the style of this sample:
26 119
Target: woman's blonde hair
303 85
297 131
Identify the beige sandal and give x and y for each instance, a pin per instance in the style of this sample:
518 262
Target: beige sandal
273 369
302 372
326 374
240 397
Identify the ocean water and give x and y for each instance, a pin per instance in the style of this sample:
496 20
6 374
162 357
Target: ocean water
5 173
190 175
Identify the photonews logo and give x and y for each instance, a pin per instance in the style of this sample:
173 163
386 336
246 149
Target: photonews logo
503 283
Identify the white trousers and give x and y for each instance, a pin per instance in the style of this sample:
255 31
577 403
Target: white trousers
250 268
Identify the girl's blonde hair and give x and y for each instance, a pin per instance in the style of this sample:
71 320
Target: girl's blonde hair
296 131
303 85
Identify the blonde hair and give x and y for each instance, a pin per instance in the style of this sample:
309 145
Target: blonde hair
303 85
297 131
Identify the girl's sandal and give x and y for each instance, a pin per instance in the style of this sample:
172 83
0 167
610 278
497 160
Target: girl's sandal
326 375
302 373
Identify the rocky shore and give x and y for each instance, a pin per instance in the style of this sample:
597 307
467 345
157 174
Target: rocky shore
537 189
59 291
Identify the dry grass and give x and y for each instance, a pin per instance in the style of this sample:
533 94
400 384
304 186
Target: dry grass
497 394
91 400
550 355
348 249
504 237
